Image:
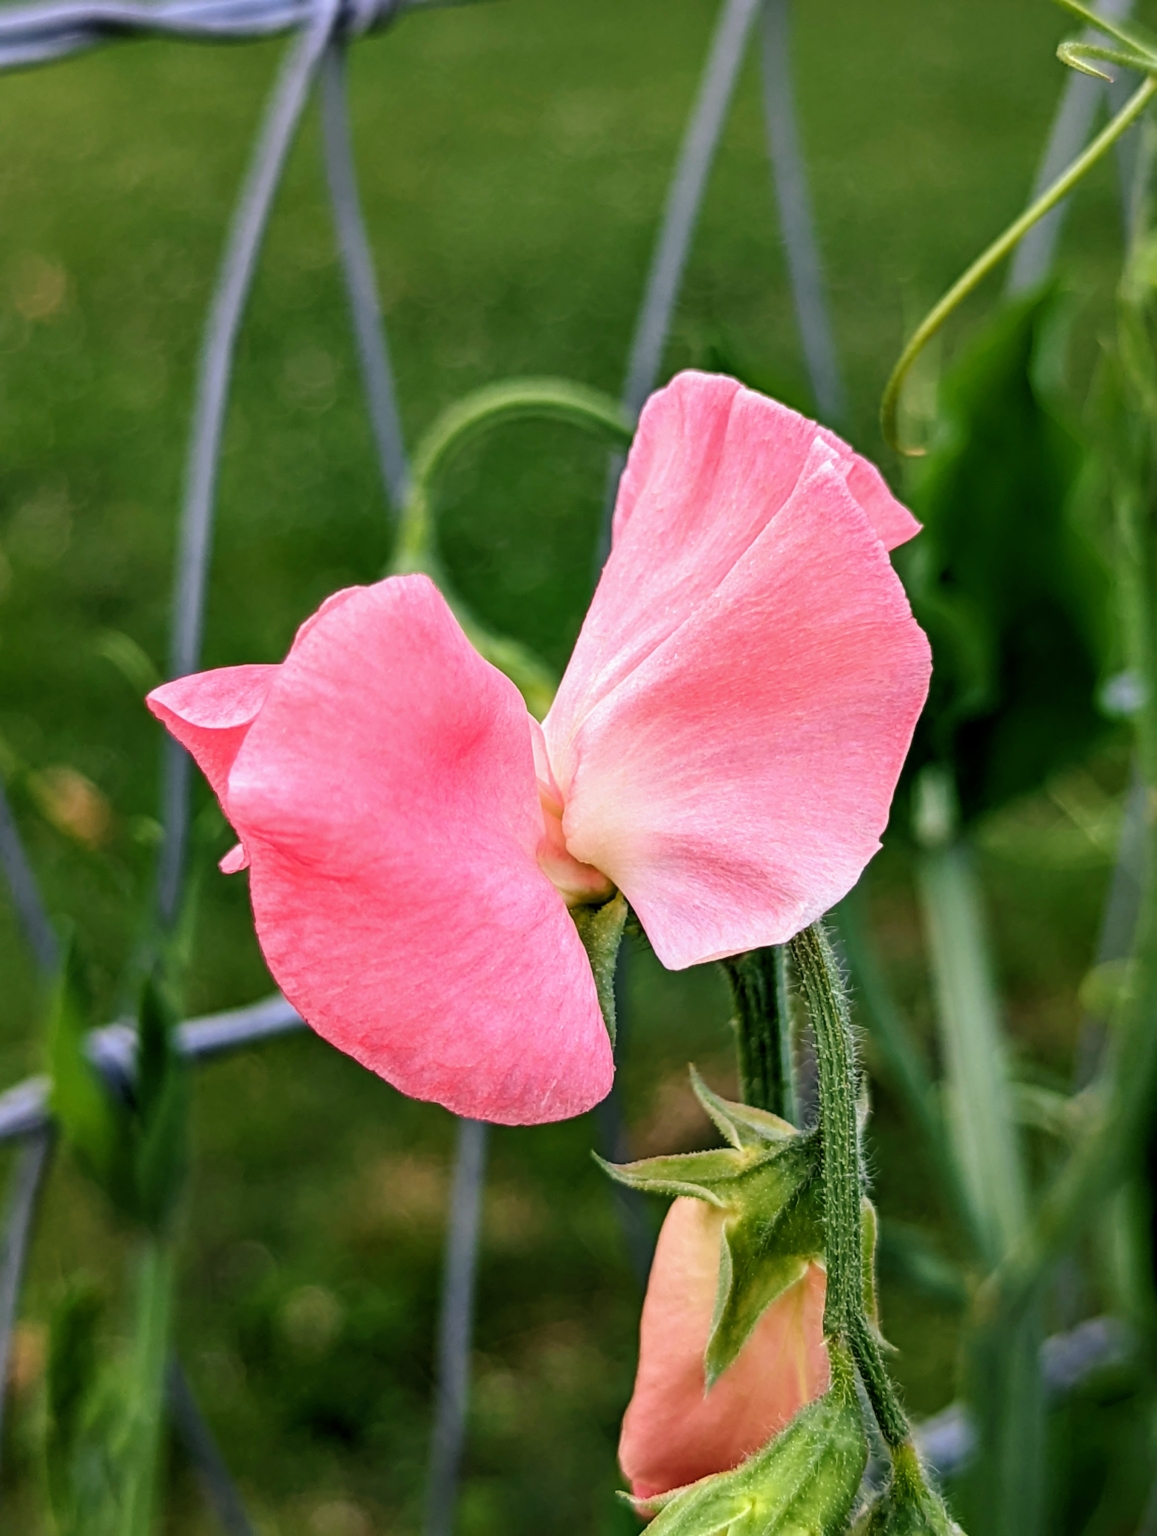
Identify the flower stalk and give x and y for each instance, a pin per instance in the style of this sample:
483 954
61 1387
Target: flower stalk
845 1318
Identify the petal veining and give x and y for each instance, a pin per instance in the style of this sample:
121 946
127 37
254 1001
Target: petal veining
711 466
735 783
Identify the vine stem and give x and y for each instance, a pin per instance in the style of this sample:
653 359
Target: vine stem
845 1319
491 406
996 253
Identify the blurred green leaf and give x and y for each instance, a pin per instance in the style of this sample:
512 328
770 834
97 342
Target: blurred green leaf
162 1109
909 1257
133 1147
1011 593
94 1123
84 1426
103 1432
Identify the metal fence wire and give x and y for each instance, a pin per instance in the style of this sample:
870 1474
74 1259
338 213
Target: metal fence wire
321 31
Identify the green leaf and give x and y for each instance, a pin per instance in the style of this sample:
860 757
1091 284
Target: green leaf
84 1422
70 1375
601 930
93 1121
162 1109
1013 596
803 1483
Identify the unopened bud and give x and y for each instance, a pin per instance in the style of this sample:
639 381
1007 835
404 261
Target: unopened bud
803 1483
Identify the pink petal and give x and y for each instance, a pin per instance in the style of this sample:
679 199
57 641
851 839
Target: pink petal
712 464
387 799
234 861
675 1431
735 781
210 713
893 523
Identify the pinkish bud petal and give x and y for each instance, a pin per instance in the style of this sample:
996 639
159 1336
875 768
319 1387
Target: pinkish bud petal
676 1431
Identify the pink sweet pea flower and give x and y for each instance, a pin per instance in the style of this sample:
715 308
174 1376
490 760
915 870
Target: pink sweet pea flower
723 750
675 1430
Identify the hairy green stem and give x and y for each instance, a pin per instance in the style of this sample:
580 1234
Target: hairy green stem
996 253
844 1315
762 1020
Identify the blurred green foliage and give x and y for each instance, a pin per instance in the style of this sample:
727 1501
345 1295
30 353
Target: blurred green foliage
515 158
1013 595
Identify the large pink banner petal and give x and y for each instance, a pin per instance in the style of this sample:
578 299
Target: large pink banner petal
736 782
387 800
711 466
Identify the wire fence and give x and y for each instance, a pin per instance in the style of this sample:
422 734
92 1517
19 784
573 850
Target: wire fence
32 35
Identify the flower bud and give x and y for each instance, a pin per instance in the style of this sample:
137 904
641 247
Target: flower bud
677 1430
803 1483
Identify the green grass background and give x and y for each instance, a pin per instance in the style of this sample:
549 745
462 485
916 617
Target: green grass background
514 158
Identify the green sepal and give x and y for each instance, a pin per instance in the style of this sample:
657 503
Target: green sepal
741 1125
601 930
765 1250
803 1483
908 1505
768 1186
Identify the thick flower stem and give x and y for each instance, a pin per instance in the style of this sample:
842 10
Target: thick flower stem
845 1318
762 1022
